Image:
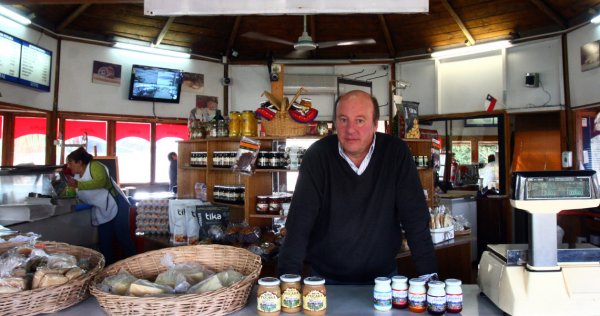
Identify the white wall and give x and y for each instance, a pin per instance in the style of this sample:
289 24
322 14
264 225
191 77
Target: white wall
583 84
16 94
78 93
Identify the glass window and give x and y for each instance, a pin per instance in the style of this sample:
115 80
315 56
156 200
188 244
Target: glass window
30 140
167 136
77 130
1 129
133 152
292 176
485 149
462 152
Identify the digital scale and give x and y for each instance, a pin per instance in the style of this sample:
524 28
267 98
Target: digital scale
539 278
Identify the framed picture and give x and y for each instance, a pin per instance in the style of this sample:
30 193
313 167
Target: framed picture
106 73
481 122
192 82
590 56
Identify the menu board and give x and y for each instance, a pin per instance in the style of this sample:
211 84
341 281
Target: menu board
24 63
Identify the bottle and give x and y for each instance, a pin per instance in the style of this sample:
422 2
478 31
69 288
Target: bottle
399 291
454 296
436 298
417 295
217 124
268 297
314 296
382 294
291 293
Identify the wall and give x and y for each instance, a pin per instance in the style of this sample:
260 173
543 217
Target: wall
15 94
583 84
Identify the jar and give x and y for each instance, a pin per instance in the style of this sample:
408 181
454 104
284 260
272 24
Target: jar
291 295
240 192
249 123
274 205
235 120
262 204
417 295
274 160
262 161
382 294
454 296
314 296
436 298
268 297
399 291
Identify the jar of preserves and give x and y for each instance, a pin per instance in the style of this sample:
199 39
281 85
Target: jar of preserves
382 294
454 296
314 296
436 298
417 295
291 293
274 205
235 120
268 297
262 204
262 162
249 124
399 291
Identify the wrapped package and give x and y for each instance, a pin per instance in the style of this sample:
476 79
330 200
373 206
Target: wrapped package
12 285
117 284
142 288
211 284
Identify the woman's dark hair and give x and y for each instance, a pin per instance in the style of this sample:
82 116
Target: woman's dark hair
80 154
172 156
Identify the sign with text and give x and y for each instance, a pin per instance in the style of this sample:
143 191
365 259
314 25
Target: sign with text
24 63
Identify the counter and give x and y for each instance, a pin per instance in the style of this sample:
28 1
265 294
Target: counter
341 300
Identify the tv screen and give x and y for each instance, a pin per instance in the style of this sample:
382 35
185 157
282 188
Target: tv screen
155 84
24 63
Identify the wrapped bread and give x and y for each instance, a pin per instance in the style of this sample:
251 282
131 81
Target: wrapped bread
211 284
61 261
229 277
53 279
142 288
74 272
12 285
117 284
171 278
41 272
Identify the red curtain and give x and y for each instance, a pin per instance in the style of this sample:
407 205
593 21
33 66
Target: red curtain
126 129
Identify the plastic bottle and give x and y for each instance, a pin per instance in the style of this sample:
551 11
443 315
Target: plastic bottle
454 296
417 295
399 291
436 298
382 294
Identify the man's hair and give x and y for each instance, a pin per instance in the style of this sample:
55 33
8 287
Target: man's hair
171 156
80 154
373 101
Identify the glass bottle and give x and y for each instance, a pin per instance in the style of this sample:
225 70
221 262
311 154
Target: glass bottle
217 125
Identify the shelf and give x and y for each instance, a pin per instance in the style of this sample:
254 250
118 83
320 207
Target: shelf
276 170
232 139
264 216
192 168
228 204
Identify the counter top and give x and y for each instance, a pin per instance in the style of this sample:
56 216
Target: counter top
341 300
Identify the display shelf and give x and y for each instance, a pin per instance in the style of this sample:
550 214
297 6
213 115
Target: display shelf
422 147
263 216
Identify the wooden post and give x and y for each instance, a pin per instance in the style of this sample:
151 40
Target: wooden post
277 86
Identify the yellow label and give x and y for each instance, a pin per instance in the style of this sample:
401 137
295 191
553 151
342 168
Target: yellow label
268 302
290 298
314 301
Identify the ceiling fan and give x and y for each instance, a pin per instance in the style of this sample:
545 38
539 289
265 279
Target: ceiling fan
305 42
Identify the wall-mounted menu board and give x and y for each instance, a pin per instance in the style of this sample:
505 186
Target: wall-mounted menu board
24 63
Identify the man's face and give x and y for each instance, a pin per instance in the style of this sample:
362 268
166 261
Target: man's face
354 123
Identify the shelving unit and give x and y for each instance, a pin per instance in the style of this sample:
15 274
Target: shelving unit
422 147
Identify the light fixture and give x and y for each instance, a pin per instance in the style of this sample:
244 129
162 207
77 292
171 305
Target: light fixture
151 50
478 48
596 19
14 15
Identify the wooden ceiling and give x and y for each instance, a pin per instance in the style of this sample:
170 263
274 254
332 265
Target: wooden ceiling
449 23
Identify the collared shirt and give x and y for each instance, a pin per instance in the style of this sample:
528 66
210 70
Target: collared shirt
363 165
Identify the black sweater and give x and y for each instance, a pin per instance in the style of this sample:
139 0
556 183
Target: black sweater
348 227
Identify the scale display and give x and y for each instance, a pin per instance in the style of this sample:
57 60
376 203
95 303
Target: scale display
554 185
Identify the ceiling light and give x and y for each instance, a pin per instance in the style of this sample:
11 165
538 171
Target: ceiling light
478 48
151 50
14 16
596 19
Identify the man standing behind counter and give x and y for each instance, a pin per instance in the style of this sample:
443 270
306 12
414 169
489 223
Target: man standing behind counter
355 193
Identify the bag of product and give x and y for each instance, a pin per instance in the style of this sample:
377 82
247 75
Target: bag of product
246 155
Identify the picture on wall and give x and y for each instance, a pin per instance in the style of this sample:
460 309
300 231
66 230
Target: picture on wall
192 82
206 107
590 56
106 73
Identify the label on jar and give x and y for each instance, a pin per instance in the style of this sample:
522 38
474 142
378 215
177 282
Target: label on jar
290 298
268 302
454 302
399 297
417 300
382 299
314 301
436 304
262 207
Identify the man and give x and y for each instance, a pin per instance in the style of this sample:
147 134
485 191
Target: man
172 172
355 193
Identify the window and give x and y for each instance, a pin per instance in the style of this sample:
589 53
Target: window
30 140
167 136
485 149
1 129
292 176
462 152
76 130
133 152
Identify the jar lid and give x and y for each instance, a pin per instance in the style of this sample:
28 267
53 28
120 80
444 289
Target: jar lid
399 278
268 281
416 281
436 284
453 282
314 281
382 280
290 278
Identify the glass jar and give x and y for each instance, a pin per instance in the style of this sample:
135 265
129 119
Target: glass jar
268 297
417 295
399 291
262 162
249 123
274 205
262 204
436 298
454 296
235 120
314 296
382 294
291 293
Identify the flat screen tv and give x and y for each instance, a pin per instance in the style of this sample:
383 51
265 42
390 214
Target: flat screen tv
155 84
24 63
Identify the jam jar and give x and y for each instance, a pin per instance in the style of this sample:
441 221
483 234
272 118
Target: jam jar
262 204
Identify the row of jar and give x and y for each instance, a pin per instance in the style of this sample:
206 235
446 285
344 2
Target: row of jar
287 294
277 204
438 298
233 194
221 159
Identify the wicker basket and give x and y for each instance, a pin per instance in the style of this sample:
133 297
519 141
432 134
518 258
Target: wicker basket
282 125
147 266
54 298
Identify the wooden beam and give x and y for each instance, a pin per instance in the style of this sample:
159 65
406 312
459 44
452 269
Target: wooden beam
233 35
386 34
550 12
163 31
24 2
72 17
458 21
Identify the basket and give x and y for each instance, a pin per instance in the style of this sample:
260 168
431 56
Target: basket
53 298
147 266
282 125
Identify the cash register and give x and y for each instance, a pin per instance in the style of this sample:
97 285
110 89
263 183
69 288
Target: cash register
538 278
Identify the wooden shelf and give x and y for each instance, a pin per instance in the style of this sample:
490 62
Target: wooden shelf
264 216
192 168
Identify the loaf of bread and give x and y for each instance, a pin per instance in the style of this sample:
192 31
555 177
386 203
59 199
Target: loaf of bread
12 285
74 272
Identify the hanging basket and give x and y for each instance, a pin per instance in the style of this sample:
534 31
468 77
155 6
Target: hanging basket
282 125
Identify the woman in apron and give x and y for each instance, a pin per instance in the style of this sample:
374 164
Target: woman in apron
110 207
